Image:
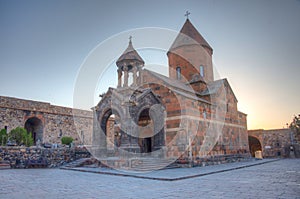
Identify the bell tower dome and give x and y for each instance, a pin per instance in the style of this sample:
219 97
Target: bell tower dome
130 62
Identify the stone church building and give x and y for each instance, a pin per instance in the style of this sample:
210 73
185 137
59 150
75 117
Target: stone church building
188 115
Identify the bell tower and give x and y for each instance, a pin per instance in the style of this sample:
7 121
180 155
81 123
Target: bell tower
190 56
128 63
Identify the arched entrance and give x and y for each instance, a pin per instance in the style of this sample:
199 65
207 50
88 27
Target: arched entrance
146 132
109 125
254 145
112 132
131 118
35 126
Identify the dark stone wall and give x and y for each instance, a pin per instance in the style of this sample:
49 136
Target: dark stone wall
19 157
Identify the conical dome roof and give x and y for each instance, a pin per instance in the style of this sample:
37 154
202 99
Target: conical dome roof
130 54
189 35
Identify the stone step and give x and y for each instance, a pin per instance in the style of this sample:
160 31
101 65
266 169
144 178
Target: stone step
154 164
76 163
4 165
150 168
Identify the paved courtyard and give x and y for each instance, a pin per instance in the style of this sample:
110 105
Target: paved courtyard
277 179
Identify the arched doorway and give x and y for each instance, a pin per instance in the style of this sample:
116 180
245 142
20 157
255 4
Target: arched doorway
146 132
35 126
112 133
110 128
254 145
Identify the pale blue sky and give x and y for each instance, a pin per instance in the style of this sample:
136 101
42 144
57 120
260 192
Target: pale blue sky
256 46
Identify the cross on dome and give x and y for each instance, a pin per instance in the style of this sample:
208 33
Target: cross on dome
187 13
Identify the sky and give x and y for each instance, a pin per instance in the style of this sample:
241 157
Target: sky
43 45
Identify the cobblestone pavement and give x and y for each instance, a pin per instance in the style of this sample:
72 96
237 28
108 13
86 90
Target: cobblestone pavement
279 179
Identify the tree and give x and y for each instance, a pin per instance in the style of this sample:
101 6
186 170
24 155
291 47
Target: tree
66 140
3 137
295 125
28 139
21 136
15 135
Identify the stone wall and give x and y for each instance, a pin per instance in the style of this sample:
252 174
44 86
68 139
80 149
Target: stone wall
189 58
19 156
213 160
276 142
55 121
206 140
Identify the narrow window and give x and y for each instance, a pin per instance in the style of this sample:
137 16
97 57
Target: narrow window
5 128
204 114
178 72
202 71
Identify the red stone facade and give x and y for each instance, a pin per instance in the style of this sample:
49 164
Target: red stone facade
201 120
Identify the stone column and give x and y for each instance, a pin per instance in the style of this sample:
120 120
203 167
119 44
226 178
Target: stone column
140 76
125 76
98 148
119 77
134 76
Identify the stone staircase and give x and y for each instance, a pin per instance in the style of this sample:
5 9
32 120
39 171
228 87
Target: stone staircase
4 165
76 163
151 164
137 164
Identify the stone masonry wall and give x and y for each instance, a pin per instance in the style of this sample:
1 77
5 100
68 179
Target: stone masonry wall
18 156
276 142
232 141
189 58
56 121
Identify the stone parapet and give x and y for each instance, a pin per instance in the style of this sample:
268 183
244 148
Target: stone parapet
44 107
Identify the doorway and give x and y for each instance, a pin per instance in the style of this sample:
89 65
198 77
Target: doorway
254 145
35 126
